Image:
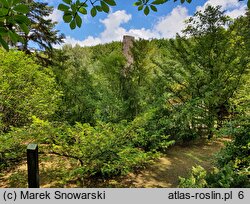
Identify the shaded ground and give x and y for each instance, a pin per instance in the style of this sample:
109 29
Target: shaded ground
177 161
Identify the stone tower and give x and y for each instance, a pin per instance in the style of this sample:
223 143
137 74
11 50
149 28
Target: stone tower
127 45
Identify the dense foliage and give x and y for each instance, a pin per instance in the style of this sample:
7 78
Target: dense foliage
112 119
26 88
206 73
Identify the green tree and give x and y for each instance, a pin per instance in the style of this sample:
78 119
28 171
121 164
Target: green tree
107 77
42 34
124 91
210 67
71 67
138 83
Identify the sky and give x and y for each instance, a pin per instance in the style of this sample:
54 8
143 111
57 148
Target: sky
125 19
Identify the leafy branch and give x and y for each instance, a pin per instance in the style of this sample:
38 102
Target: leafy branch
13 14
72 11
12 18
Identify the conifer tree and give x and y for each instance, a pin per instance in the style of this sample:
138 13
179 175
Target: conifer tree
42 34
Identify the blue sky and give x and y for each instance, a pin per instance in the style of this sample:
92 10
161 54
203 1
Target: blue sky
125 19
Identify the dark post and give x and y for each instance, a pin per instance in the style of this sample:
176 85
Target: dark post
32 161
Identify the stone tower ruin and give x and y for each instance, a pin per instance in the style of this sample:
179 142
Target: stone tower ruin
127 46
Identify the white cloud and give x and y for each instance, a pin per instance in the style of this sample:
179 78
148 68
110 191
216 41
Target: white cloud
56 16
225 4
89 41
173 23
113 30
166 26
233 8
114 20
237 12
143 33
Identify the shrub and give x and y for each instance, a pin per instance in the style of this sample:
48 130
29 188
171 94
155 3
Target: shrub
26 89
196 180
12 149
237 151
104 150
225 177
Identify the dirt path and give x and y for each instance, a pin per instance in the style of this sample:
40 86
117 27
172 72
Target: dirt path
177 161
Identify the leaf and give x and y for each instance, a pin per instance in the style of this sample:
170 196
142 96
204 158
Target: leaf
20 19
13 36
248 4
78 20
110 2
157 2
93 12
22 8
78 3
189 1
63 7
72 25
138 3
98 8
3 30
67 1
67 17
140 7
105 7
24 28
3 11
4 44
15 2
4 3
153 8
74 8
146 10
84 4
83 11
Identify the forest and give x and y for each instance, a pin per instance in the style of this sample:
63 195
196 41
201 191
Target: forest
100 114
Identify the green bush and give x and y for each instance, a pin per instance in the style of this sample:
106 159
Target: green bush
233 162
196 180
149 133
26 89
103 150
237 151
12 150
225 177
